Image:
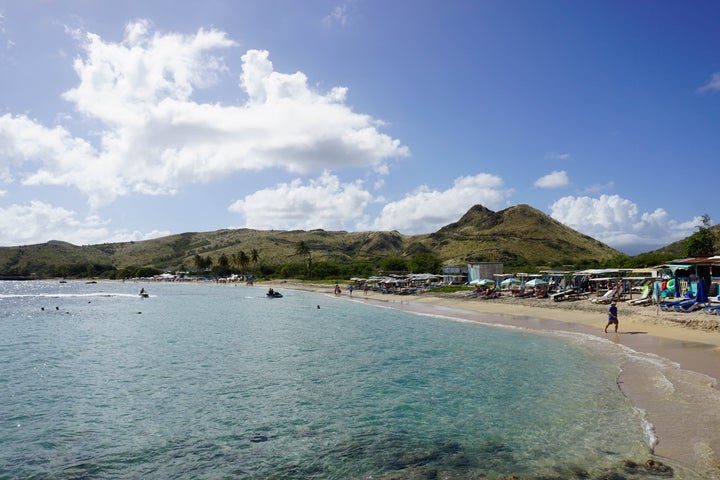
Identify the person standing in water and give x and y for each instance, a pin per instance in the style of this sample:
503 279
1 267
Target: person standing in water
612 316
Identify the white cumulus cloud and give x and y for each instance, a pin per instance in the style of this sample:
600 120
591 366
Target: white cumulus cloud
153 138
616 221
323 203
39 222
555 179
426 210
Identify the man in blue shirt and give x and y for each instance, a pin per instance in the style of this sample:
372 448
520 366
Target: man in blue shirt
612 316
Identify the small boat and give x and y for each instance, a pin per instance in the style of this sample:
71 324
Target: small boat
273 295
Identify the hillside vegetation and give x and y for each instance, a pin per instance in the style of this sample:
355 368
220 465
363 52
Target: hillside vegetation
520 237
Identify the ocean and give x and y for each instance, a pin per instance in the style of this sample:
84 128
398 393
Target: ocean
218 381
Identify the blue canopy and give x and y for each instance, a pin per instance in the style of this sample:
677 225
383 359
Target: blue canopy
701 296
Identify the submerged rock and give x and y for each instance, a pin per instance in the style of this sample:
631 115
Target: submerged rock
414 473
649 467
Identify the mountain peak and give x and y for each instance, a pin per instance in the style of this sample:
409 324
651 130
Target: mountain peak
515 235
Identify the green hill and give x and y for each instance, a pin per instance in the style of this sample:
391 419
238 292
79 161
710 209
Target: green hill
676 249
517 236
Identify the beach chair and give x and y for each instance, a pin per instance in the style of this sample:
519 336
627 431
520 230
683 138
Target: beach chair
691 306
644 299
608 297
489 294
576 296
562 294
670 306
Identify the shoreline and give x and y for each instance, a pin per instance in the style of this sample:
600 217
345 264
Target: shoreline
681 398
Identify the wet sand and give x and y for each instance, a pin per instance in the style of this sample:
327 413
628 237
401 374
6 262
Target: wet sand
679 395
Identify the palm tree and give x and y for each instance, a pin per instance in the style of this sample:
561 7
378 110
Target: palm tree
243 261
303 250
254 257
235 260
199 262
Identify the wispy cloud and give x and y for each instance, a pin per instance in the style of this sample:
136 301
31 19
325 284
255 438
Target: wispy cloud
557 156
338 16
712 85
598 188
9 43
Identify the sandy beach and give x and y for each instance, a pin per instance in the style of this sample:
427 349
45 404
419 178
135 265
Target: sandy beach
682 402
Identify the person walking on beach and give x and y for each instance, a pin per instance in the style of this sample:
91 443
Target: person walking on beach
612 316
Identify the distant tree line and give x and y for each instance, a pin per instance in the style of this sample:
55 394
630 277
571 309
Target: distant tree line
302 265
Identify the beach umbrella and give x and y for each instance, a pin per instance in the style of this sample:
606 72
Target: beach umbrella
536 282
510 281
483 282
701 296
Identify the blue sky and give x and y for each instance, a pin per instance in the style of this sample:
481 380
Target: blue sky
137 119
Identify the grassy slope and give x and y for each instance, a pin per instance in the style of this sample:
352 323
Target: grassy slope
519 234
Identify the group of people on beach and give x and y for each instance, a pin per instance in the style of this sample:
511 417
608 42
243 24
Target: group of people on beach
482 291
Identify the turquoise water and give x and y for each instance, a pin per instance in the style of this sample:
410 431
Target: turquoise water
210 381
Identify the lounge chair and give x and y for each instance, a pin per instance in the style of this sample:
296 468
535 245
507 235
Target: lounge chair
576 296
670 306
489 294
644 299
691 306
562 294
609 296
525 294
